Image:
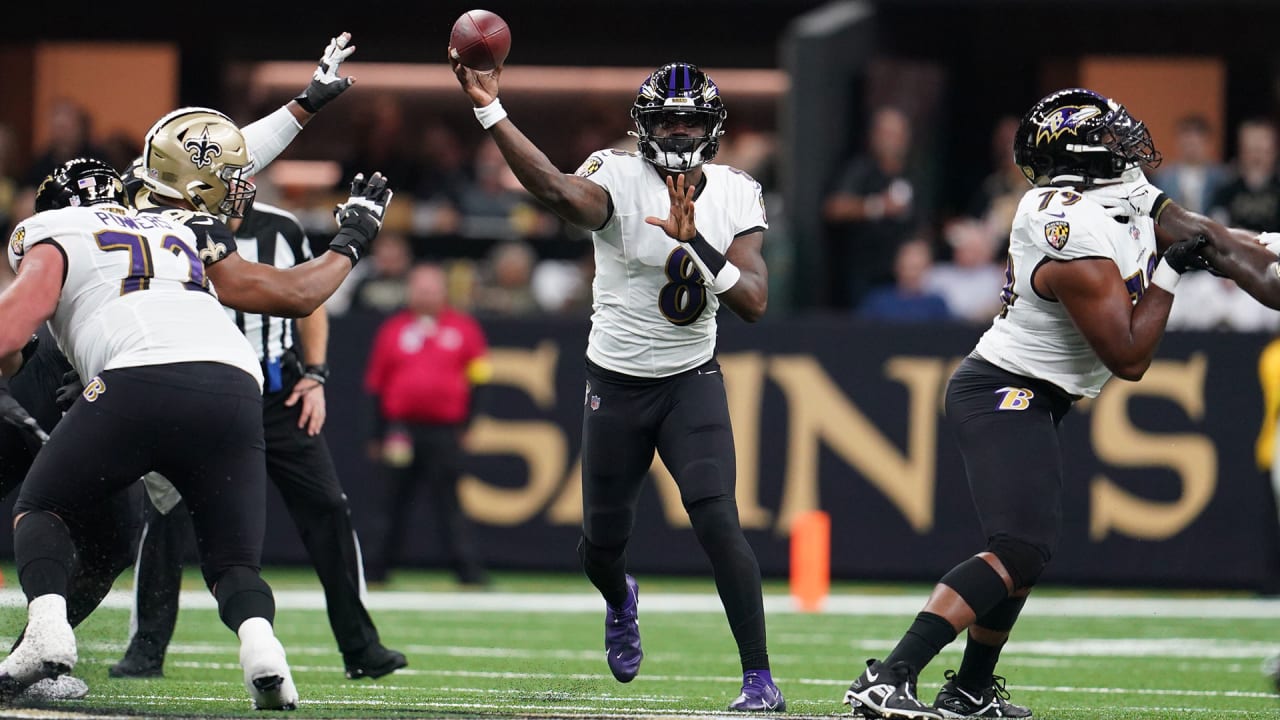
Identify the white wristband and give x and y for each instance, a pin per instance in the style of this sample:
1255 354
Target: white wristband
490 114
728 277
1166 277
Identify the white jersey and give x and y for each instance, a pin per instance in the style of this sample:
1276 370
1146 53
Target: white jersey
1034 336
134 292
652 315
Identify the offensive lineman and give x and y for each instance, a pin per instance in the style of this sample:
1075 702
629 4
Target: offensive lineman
652 378
173 385
1086 296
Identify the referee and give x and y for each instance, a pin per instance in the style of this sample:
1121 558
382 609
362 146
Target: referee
298 462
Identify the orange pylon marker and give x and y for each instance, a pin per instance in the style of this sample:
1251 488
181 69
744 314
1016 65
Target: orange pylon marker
811 560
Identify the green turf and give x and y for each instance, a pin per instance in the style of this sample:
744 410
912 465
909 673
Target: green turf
520 664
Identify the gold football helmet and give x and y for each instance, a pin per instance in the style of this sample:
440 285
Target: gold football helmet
199 156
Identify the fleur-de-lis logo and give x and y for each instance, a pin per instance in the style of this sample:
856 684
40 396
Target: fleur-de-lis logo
213 252
203 150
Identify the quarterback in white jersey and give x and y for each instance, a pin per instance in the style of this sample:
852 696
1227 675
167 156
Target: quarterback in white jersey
653 384
652 314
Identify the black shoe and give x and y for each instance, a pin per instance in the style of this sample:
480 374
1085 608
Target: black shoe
134 666
956 702
374 662
888 692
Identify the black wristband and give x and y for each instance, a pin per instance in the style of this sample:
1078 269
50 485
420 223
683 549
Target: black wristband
711 257
305 103
319 373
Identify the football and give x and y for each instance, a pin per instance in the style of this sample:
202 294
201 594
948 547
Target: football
480 40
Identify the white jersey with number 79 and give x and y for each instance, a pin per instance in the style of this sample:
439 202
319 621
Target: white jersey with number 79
652 315
1034 335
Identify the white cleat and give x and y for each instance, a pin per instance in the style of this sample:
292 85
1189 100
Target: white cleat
47 650
63 687
266 670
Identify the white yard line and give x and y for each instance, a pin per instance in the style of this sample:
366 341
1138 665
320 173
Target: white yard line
890 605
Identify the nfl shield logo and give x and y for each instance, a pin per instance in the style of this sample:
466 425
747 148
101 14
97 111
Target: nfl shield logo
1056 233
595 402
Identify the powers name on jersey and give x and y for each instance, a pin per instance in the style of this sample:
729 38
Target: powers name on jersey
652 315
134 293
1034 335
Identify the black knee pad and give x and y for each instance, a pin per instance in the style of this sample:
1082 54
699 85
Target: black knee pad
1023 560
978 584
715 515
242 594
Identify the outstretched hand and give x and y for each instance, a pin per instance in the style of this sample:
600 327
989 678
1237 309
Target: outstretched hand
326 82
481 87
679 223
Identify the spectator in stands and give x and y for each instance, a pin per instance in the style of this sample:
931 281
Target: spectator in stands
1251 197
505 282
563 287
70 136
381 140
426 362
970 283
998 195
1193 177
907 299
495 206
379 284
872 210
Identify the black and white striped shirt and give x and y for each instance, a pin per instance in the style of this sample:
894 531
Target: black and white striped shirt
273 236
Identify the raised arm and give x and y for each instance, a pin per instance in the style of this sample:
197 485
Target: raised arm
300 290
268 136
577 200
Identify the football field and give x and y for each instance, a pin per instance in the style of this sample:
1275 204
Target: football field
532 647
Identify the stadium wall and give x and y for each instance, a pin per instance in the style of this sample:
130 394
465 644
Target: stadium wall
1161 486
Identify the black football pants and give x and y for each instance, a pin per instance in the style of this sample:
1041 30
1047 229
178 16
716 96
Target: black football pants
302 469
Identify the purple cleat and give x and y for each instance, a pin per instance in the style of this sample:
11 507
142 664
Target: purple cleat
622 635
759 694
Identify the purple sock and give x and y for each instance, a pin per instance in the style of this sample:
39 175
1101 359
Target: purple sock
762 674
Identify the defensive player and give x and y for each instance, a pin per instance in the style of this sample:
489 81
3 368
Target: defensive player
1086 297
652 378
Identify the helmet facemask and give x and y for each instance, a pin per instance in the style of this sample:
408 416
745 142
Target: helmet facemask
681 98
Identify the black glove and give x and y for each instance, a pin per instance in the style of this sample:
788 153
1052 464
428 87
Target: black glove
1185 255
70 389
360 217
325 82
17 416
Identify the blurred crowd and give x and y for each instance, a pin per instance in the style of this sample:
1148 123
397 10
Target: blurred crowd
894 260
891 256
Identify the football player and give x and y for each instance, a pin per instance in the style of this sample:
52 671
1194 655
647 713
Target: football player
653 382
105 550
1087 293
173 387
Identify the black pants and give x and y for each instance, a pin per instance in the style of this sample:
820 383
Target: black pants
302 469
35 388
685 418
198 423
1012 455
435 468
